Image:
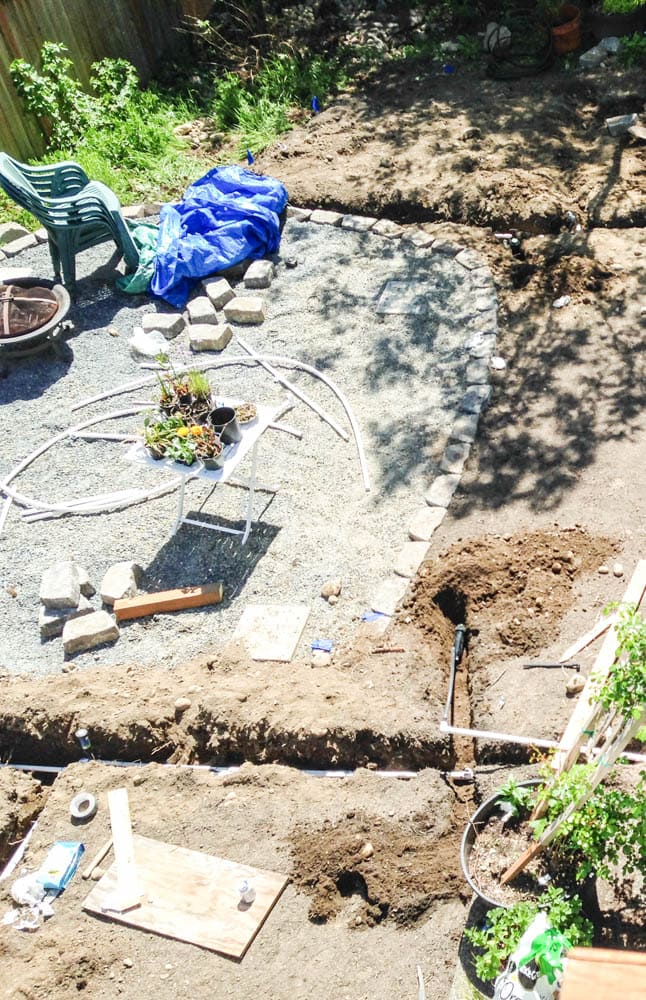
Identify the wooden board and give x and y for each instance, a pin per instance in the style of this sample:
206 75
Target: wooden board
128 889
272 631
587 639
167 600
604 974
192 897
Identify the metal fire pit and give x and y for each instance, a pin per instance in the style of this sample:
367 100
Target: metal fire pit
32 312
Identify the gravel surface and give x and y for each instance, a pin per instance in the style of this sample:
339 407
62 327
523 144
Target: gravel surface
403 374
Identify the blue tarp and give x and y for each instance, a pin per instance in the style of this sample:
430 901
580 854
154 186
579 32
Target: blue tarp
229 215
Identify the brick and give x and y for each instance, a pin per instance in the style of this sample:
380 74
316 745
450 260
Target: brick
425 522
17 246
357 223
201 310
60 586
89 631
219 291
245 309
323 218
260 274
170 324
207 337
409 558
385 227
389 594
454 457
442 491
121 580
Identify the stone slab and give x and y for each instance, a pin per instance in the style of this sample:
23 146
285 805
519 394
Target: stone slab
476 398
409 298
425 522
9 273
259 274
246 309
272 631
325 218
60 586
389 594
454 457
133 211
477 372
10 231
201 310
121 580
481 277
470 259
17 246
51 621
170 324
385 227
89 631
448 247
41 235
206 337
219 291
485 347
442 491
419 238
299 214
357 223
465 427
409 558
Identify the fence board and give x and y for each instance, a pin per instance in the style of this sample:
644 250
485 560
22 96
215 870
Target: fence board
140 31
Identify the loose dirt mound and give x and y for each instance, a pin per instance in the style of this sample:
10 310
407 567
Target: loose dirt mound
21 799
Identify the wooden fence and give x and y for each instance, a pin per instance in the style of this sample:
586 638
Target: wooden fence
141 31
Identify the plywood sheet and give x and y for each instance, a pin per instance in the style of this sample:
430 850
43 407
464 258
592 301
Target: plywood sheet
272 631
192 897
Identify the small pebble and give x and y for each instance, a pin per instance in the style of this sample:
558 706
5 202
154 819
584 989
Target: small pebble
182 704
333 599
128 963
358 921
603 569
556 567
331 589
618 569
367 850
575 684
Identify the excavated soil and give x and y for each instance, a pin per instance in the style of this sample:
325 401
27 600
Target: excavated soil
21 800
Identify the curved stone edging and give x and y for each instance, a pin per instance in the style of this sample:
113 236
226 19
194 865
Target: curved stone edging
482 333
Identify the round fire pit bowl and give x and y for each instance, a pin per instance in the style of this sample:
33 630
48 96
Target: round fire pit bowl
46 333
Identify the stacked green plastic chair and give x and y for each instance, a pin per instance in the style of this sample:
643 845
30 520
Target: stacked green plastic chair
76 212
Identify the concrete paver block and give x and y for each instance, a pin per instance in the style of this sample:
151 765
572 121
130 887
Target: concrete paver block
89 631
388 228
206 337
325 218
409 558
219 291
454 457
60 586
442 491
201 310
389 594
259 274
247 309
424 522
357 223
170 324
121 580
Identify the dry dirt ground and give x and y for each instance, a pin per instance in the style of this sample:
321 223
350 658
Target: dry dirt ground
553 490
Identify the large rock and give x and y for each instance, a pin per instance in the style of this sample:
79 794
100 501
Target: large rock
247 309
147 345
60 586
260 274
10 231
17 246
201 310
442 490
206 337
219 292
121 580
170 324
424 522
89 631
51 621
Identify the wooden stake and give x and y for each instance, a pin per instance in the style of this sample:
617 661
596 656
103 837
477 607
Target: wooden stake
97 859
128 894
168 600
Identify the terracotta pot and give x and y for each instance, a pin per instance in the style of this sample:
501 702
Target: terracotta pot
567 36
609 25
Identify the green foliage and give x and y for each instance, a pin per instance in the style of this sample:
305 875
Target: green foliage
469 47
624 688
53 94
519 797
505 927
198 384
620 6
633 50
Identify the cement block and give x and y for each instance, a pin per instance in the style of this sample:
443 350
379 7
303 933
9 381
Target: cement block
260 274
170 324
89 631
424 522
442 491
357 223
476 398
465 427
477 372
324 218
201 310
418 238
10 231
17 246
299 214
247 309
41 235
51 621
389 595
133 211
60 586
219 291
121 580
206 337
387 228
454 457
409 558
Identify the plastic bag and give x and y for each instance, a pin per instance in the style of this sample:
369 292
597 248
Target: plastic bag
535 968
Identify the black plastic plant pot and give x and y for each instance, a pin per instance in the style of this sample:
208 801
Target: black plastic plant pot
214 462
487 810
223 420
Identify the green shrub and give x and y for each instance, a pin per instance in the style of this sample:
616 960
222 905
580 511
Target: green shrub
633 50
620 6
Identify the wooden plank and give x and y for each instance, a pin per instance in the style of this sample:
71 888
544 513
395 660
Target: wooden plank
127 890
97 859
168 600
193 897
272 631
586 640
604 974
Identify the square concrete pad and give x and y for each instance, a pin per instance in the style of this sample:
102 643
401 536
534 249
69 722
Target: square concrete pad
272 631
404 298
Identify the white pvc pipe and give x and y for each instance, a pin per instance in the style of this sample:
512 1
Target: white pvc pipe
523 741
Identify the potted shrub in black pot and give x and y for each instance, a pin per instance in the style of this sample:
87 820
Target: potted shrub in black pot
608 18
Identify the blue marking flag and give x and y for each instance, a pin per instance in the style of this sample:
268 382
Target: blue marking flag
250 158
316 107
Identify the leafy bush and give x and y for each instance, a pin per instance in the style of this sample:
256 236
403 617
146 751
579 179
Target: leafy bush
633 50
505 927
620 6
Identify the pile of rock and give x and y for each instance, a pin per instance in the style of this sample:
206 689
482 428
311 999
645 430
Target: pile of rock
66 607
209 314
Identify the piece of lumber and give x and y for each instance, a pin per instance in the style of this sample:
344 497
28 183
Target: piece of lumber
585 640
604 974
97 859
192 897
168 600
127 891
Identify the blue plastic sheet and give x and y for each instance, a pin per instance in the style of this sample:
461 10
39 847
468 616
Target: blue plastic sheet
229 215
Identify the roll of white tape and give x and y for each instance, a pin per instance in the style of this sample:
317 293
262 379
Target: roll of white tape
83 806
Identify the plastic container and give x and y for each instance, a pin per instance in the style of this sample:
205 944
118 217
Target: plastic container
223 420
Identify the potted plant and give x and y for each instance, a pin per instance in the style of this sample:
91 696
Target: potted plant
171 437
565 22
617 17
201 402
209 448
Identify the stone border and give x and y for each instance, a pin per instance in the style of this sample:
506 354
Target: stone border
482 333
482 330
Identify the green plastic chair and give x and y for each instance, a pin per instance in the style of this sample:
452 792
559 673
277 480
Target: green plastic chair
76 212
